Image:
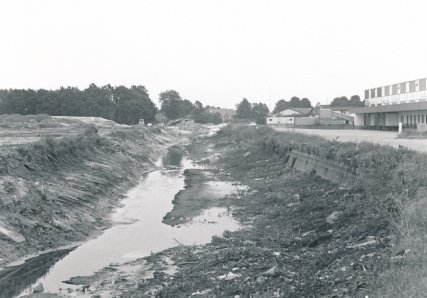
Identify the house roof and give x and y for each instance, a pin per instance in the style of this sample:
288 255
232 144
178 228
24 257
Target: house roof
304 111
412 106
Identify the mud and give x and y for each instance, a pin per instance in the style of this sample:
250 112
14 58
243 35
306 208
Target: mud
202 191
306 237
52 198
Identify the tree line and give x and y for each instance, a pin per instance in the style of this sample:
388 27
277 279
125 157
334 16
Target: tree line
127 105
120 104
174 107
343 101
256 112
295 102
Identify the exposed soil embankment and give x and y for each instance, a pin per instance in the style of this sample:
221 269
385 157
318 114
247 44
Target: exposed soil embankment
56 192
306 236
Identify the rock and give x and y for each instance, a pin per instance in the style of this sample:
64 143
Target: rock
307 233
202 293
229 276
333 217
38 289
363 244
273 271
296 197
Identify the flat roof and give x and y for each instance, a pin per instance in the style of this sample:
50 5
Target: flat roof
401 107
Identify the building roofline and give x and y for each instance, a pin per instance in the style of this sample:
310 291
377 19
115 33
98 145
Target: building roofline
411 106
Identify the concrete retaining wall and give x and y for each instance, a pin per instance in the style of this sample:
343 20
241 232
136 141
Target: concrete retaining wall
324 168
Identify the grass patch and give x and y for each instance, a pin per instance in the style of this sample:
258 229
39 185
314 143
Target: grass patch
393 183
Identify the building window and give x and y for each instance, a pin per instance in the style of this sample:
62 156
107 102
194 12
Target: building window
407 119
422 118
386 90
379 92
394 89
372 93
401 119
422 84
366 94
402 88
418 118
412 86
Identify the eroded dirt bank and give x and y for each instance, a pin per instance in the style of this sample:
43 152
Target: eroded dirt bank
57 192
303 236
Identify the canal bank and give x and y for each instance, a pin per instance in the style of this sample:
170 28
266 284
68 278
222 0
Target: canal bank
304 236
137 232
57 193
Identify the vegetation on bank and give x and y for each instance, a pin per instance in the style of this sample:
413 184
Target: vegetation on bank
57 191
394 182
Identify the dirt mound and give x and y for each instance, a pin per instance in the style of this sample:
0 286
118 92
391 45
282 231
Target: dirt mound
58 191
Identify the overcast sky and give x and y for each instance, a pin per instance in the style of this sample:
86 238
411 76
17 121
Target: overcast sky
215 51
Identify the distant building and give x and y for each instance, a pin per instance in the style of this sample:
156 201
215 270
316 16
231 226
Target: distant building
386 106
287 117
310 117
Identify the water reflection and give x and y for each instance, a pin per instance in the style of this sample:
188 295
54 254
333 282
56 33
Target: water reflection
15 279
138 231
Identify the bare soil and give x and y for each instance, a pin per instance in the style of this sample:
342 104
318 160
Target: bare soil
304 237
54 196
202 191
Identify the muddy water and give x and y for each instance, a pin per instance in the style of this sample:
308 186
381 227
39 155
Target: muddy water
138 231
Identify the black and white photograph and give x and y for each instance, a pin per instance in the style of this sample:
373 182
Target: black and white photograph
213 148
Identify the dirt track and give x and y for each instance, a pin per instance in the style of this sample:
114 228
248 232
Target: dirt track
373 136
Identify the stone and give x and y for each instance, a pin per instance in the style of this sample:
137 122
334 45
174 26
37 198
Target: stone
38 289
333 217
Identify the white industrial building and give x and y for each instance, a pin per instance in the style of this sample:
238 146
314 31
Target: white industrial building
386 106
309 117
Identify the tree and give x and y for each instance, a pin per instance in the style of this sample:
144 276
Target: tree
243 109
133 104
259 112
169 95
281 105
170 104
355 101
340 102
295 102
305 103
173 106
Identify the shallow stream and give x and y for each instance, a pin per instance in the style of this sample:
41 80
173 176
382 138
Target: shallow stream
137 232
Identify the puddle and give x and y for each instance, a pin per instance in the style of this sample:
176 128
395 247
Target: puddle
138 230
